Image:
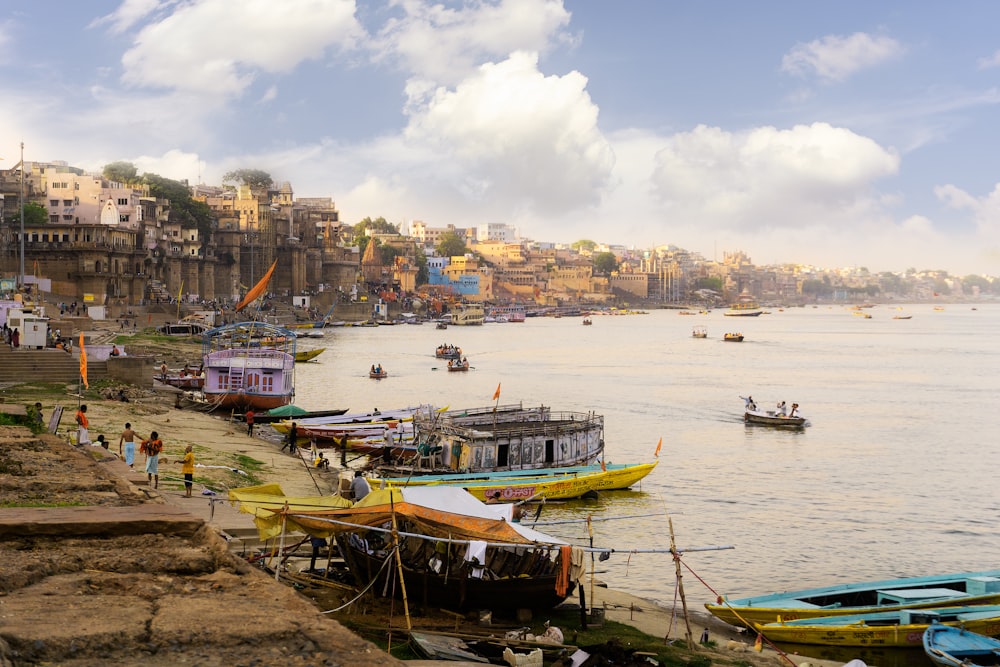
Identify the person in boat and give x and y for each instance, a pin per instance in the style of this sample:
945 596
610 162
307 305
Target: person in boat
360 487
782 409
750 405
795 409
372 369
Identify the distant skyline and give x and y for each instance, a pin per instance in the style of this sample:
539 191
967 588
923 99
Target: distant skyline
839 134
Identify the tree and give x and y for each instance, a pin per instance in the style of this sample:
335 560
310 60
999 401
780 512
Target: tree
255 178
584 244
190 213
605 263
420 257
121 172
34 215
377 226
451 245
709 282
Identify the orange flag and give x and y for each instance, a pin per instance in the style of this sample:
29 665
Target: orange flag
603 467
658 445
83 363
257 289
496 394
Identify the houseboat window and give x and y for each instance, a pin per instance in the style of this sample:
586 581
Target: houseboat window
223 380
550 451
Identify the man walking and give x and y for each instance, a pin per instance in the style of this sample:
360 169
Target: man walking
249 417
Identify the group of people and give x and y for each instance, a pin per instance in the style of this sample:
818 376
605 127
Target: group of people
152 447
11 337
376 369
781 409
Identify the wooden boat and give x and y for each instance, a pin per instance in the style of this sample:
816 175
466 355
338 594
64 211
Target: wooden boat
774 417
733 337
455 552
378 373
181 381
291 412
448 352
902 317
507 437
551 483
949 646
441 325
901 628
308 355
699 332
456 365
745 306
490 648
587 321
858 598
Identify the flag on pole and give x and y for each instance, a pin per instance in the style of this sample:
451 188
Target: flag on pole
83 363
658 445
603 467
258 289
496 394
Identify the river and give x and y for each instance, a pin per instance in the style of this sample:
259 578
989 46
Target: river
895 475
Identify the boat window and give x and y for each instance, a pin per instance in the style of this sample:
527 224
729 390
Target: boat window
550 451
503 455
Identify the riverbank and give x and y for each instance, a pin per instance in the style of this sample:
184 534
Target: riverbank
126 568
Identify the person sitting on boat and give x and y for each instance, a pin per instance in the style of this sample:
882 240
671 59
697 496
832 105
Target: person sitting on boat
360 487
372 369
782 409
750 405
795 408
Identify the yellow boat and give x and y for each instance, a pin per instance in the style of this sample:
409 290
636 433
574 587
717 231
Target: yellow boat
550 483
308 355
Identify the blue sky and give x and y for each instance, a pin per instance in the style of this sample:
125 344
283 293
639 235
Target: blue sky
834 134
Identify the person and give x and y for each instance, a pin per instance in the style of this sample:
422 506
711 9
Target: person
317 543
322 462
163 370
493 497
782 409
795 408
114 351
15 338
360 487
187 469
373 369
82 435
249 417
101 441
127 439
36 415
291 438
151 447
750 405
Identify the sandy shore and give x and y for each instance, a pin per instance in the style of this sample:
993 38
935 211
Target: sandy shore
224 446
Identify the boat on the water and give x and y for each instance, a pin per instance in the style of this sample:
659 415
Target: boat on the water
548 483
468 314
505 437
458 364
949 646
587 321
699 332
733 337
242 373
902 628
308 355
745 306
968 588
447 351
779 417
377 372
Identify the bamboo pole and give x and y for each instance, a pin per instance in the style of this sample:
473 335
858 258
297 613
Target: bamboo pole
680 586
399 569
281 543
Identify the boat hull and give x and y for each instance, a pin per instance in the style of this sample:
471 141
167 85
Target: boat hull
308 355
948 646
967 588
773 420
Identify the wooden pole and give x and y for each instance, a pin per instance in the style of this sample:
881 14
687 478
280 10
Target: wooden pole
281 544
399 569
680 586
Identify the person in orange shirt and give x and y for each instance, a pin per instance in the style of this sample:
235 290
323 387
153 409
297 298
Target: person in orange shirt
187 468
152 447
82 435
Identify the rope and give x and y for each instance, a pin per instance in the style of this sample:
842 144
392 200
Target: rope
365 590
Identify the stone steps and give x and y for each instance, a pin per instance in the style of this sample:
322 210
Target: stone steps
48 365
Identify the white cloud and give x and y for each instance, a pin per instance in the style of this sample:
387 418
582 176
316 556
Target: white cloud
768 177
985 210
991 61
518 137
835 58
216 47
129 13
445 45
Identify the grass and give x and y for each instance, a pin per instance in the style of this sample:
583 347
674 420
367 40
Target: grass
41 503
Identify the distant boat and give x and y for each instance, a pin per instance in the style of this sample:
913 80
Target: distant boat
468 314
733 337
458 365
745 306
902 317
378 373
700 332
587 321
308 355
774 417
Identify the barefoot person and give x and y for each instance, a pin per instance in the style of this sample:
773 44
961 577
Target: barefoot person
83 435
187 468
152 447
127 440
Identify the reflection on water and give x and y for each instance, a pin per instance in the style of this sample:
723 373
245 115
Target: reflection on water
894 477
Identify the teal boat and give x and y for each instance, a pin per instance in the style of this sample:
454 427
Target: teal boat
958 647
966 588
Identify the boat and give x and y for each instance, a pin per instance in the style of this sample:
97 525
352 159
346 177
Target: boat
745 306
188 382
902 317
505 437
447 351
308 355
863 314
515 314
733 337
249 364
549 483
458 365
490 649
184 328
468 314
441 325
292 412
587 321
902 628
968 588
778 417
378 373
949 646
699 332
455 552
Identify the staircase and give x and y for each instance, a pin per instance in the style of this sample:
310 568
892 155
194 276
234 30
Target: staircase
48 365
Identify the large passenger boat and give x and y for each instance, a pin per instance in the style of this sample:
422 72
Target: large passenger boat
745 306
468 314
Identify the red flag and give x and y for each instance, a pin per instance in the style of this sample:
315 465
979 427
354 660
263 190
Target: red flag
658 445
496 394
83 363
257 289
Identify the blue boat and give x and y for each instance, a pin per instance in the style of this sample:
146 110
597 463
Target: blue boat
966 588
957 647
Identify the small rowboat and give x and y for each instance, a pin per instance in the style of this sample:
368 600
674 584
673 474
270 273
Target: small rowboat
458 366
771 418
700 332
378 374
958 647
733 338
308 355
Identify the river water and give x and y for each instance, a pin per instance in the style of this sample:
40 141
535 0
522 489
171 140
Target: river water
895 476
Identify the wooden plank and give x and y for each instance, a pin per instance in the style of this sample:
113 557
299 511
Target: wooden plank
105 521
55 419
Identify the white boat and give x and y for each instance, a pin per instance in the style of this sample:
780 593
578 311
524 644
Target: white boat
468 314
752 414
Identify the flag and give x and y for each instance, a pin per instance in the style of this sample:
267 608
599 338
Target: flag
258 289
496 394
658 445
758 645
603 467
83 363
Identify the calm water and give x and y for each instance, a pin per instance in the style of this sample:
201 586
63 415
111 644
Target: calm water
896 476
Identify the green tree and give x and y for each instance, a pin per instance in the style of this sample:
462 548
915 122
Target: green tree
420 257
605 263
121 172
377 226
34 215
983 283
583 244
709 282
451 245
255 178
183 208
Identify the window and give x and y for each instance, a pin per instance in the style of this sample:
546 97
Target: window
53 203
122 201
123 218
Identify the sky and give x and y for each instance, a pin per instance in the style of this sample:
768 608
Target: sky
841 134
